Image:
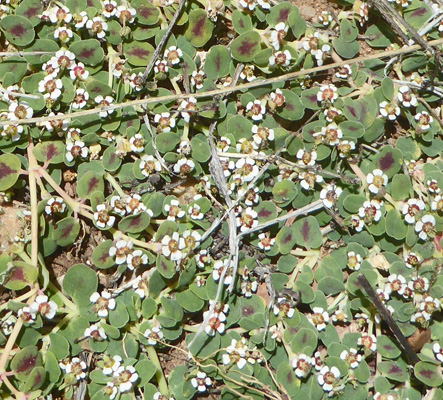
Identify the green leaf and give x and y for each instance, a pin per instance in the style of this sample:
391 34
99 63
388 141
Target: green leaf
66 231
401 187
19 275
119 317
395 225
393 370
18 30
389 160
35 379
242 23
165 267
381 35
305 341
138 53
244 47
88 51
292 109
51 152
428 373
147 14
101 257
200 149
346 49
135 223
189 301
89 183
330 285
240 127
10 168
285 239
297 23
352 129
167 141
284 192
200 28
215 64
31 10
348 30
25 361
146 371
59 346
387 87
387 347
79 283
266 211
307 232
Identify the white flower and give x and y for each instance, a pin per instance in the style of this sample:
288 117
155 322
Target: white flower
330 195
153 335
425 226
368 341
424 121
149 165
345 147
79 72
236 353
46 308
357 223
76 149
80 19
111 364
55 205
98 26
411 208
248 73
109 8
201 382
184 166
104 102
103 303
247 219
27 315
351 357
173 55
344 72
197 78
137 143
188 105
247 169
354 261
280 58
173 210
194 212
302 365
165 121
121 250
437 203
50 87
433 186
370 211
59 14
172 246
111 390
438 351
309 179
134 205
125 377
256 110
161 66
327 93
328 378
277 35
376 180
118 205
135 259
389 110
330 134
319 318
265 243
284 307
265 4
262 135
406 97
77 368
126 14
80 99
95 332
219 267
203 258
63 33
192 239
102 218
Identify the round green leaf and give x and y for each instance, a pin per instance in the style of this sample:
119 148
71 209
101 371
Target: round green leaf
346 49
101 257
88 51
395 225
35 379
119 317
146 370
59 346
167 141
266 211
25 361
389 160
242 22
216 65
304 341
307 232
244 47
10 168
19 275
17 29
50 152
135 223
292 109
331 285
428 373
147 14
393 370
111 162
285 240
79 283
348 30
387 347
401 187
284 191
31 10
138 53
352 129
200 149
66 231
165 267
89 183
200 28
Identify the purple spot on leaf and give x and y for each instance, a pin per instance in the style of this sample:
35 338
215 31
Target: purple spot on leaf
198 28
419 12
427 373
50 151
86 53
5 170
145 12
139 52
386 162
289 377
18 30
32 12
305 230
287 239
17 274
284 14
93 183
67 231
247 47
246 311
264 213
27 363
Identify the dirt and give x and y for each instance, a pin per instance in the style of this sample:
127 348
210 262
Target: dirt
10 226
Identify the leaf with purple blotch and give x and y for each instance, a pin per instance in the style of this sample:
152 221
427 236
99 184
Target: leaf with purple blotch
389 160
10 168
147 14
25 361
428 373
199 29
18 30
89 183
19 275
66 231
88 51
307 232
244 47
51 152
